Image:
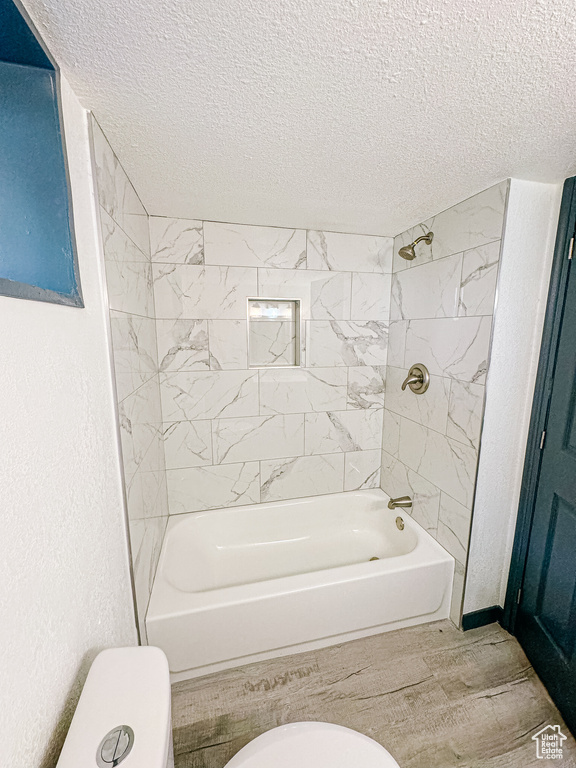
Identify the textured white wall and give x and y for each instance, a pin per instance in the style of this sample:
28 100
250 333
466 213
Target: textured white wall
322 114
526 259
65 589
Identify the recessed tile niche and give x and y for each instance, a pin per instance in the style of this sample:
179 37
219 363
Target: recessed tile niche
273 333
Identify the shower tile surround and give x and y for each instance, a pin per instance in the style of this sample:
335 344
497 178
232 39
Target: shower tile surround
236 434
441 311
126 244
201 429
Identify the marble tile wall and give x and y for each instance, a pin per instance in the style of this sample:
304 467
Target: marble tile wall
441 311
235 434
201 428
126 243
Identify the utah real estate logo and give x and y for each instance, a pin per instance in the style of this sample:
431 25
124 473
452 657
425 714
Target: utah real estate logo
549 743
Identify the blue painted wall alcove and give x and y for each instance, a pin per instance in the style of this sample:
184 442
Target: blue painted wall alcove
37 249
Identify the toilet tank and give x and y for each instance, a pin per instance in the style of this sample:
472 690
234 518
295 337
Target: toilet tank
123 716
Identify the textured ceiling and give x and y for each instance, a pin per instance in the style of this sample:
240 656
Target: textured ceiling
354 115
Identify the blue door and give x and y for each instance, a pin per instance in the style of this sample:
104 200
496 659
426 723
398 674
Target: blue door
546 615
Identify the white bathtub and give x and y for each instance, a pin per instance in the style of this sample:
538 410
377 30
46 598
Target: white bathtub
248 583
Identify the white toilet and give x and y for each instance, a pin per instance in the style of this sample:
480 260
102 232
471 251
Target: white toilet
123 715
123 718
312 745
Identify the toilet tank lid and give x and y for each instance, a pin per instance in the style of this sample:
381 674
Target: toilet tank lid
125 686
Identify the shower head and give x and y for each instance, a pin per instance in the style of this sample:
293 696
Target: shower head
408 252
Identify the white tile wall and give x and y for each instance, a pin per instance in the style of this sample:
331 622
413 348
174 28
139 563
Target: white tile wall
273 343
116 194
391 433
189 395
224 485
281 432
127 254
455 347
450 465
465 412
397 343
370 296
302 390
324 296
183 345
333 343
362 470
257 437
442 304
146 540
301 476
228 348
343 431
198 292
354 253
176 241
241 245
187 444
478 283
454 526
366 386
429 409
432 290
472 223
399 480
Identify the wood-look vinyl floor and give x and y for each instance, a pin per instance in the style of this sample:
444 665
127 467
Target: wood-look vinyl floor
435 697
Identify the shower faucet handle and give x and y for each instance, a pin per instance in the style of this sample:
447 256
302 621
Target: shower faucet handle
418 379
411 380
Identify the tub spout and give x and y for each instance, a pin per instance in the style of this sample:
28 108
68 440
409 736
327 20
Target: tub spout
401 501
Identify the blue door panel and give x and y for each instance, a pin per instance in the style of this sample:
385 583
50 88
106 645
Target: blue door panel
546 618
556 607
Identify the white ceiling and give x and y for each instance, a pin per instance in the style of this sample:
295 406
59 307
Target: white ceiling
353 115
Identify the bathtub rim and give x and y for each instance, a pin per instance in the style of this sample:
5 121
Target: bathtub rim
167 600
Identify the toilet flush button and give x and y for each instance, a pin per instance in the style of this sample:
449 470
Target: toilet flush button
115 746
